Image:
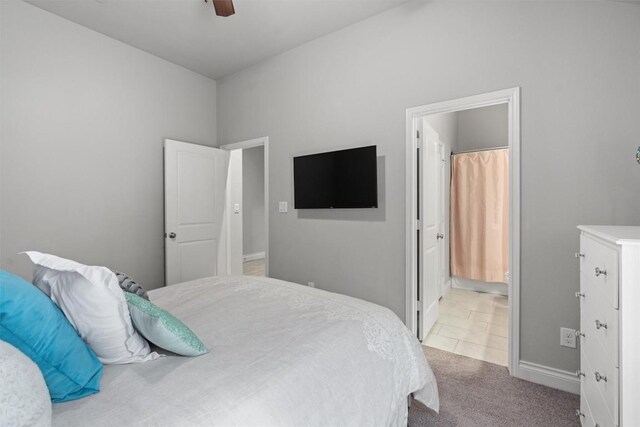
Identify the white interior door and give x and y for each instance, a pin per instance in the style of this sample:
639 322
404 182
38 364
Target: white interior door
442 212
430 250
195 181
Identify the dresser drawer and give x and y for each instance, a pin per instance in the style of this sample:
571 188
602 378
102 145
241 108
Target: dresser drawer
595 407
598 320
602 394
586 416
600 266
588 389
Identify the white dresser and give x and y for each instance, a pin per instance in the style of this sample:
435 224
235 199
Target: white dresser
609 326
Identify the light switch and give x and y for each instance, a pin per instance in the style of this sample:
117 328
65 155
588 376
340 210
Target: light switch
236 208
283 207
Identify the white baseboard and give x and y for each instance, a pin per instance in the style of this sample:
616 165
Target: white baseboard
479 286
550 377
253 257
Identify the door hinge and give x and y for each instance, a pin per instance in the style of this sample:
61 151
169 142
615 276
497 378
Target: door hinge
418 134
419 306
418 224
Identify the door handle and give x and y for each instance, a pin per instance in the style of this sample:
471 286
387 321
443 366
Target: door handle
439 236
172 235
599 325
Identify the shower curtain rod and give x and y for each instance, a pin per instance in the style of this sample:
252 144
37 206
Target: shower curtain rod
481 149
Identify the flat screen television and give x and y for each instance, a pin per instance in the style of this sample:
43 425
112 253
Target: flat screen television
336 179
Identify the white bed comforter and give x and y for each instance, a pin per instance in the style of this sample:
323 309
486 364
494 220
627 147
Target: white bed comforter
280 354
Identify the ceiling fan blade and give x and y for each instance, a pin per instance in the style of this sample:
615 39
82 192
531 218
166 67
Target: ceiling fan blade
224 7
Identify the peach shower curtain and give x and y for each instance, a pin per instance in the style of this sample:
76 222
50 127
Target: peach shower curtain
480 215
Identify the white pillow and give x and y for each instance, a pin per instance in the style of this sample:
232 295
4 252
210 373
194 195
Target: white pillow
24 397
92 301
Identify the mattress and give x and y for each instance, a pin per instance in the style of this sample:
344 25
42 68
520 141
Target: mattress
280 354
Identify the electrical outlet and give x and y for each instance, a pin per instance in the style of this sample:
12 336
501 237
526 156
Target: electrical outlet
311 284
568 337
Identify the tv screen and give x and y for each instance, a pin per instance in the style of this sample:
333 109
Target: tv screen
337 179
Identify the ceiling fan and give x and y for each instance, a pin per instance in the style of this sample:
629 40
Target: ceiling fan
223 7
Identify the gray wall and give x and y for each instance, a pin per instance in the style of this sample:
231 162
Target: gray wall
578 65
83 122
253 232
485 127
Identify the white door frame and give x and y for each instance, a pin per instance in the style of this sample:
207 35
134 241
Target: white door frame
257 142
511 97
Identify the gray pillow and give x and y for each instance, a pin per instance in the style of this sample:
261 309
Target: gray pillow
129 285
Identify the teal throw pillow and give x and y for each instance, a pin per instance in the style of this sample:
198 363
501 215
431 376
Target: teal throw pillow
162 328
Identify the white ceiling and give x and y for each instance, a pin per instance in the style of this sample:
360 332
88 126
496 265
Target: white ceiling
188 33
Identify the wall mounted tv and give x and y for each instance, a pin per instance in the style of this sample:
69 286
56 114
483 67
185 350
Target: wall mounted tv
336 179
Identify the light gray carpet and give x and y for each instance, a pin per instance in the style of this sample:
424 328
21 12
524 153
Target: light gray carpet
476 393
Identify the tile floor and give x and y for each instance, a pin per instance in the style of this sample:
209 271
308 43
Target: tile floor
253 268
472 324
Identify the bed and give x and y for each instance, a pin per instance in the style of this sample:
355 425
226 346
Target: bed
280 354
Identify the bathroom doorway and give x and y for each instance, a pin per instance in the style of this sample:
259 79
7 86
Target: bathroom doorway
464 226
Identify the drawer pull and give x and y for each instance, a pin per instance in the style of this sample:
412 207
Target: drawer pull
579 255
580 374
599 325
579 413
580 334
600 272
600 377
578 295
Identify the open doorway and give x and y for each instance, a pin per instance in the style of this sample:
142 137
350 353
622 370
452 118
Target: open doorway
463 226
470 198
247 207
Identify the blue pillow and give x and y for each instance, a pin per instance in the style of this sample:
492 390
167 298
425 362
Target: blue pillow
31 322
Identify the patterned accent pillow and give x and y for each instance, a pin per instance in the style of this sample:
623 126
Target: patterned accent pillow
162 328
129 285
24 398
